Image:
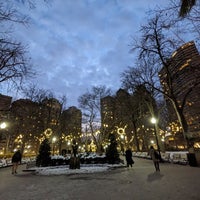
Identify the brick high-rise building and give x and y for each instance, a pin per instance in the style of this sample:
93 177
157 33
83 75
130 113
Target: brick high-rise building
107 111
116 117
184 69
26 125
70 125
5 103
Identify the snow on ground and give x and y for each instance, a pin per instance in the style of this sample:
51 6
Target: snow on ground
64 169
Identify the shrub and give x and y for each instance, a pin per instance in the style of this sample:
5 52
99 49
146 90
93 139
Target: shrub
43 159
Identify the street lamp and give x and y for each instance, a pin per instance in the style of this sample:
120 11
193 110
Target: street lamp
3 125
154 121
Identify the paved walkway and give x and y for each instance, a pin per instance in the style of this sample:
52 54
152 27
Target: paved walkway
138 183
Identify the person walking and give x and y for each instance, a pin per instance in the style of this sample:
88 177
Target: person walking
155 157
129 160
16 159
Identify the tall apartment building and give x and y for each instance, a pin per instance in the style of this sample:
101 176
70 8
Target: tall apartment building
128 116
5 103
51 111
30 121
70 123
26 125
107 111
116 117
184 69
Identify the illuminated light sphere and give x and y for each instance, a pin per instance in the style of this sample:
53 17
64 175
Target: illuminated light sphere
122 136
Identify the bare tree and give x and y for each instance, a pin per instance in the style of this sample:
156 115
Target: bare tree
31 3
186 6
36 94
188 20
157 44
90 103
14 62
141 82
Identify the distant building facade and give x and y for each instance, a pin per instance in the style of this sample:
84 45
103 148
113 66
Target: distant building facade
184 69
108 112
29 122
5 104
70 125
128 117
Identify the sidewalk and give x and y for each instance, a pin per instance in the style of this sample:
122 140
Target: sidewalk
138 183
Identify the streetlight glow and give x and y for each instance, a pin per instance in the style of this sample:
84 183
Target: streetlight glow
153 120
53 139
3 125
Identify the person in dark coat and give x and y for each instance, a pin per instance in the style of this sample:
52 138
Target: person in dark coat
129 160
155 157
16 159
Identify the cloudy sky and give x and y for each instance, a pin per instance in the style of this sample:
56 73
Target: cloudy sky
77 44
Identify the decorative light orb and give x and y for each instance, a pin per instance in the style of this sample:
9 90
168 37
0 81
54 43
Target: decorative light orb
122 136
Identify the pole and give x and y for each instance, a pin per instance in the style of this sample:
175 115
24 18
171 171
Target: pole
157 141
53 149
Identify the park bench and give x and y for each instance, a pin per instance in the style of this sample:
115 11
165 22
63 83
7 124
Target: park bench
180 158
165 157
183 159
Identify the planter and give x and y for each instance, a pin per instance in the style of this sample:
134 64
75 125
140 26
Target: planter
197 155
74 163
192 159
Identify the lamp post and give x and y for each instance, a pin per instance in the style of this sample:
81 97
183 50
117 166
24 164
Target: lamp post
154 121
53 144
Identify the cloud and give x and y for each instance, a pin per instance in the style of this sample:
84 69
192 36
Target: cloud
77 44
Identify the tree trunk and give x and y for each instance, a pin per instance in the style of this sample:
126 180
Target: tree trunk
183 123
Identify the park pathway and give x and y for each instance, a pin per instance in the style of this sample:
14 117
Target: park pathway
138 183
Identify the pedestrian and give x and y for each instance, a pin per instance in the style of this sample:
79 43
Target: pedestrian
129 159
16 159
155 157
